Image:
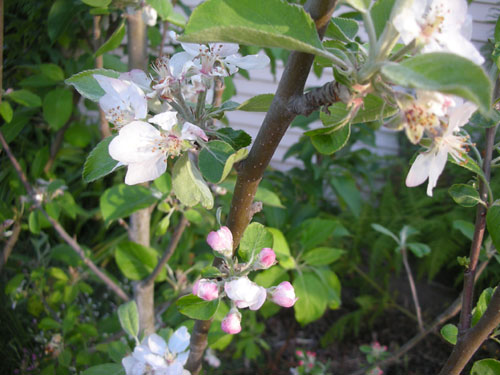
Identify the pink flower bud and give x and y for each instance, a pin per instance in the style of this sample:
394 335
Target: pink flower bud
300 353
232 322
206 289
284 295
221 241
266 258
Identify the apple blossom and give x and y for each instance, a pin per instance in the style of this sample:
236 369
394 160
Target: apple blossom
265 259
123 101
206 289
283 294
221 241
232 322
438 25
245 293
430 164
154 356
144 148
172 74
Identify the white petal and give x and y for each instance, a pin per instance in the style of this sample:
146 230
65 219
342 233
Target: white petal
155 361
128 363
175 368
194 49
149 15
460 116
156 344
139 368
179 341
111 85
456 43
140 352
183 357
260 299
180 63
135 143
192 132
437 165
249 62
224 49
419 171
407 26
138 77
148 170
165 120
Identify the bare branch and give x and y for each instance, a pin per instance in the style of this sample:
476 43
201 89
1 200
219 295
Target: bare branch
11 242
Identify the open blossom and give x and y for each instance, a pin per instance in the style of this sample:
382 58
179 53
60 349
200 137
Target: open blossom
221 241
283 294
245 293
173 74
430 164
153 356
439 25
266 258
144 148
123 101
206 289
221 59
232 322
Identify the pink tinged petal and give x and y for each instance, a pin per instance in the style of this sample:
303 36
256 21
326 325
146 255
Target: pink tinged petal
135 143
266 258
221 240
259 299
206 289
232 323
166 120
419 171
436 168
156 344
284 295
148 170
192 132
179 341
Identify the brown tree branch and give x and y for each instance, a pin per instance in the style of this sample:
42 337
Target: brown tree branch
251 170
11 242
58 228
99 63
413 288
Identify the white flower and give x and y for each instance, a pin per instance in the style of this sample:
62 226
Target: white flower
144 148
221 59
430 164
173 73
211 358
123 101
149 15
245 293
153 356
440 25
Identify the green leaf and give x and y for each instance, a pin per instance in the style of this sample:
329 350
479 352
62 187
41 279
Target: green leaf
282 250
381 14
482 304
97 3
384 230
188 184
265 23
60 16
105 369
177 19
255 238
52 72
25 98
464 195
136 261
271 276
346 188
14 283
163 183
488 366
322 256
493 223
497 31
449 333
122 200
163 7
444 72
343 29
85 83
99 163
196 308
361 5
113 42
465 227
128 314
311 294
236 138
57 107
313 232
217 158
332 286
211 272
419 249
328 144
258 103
49 323
467 163
6 111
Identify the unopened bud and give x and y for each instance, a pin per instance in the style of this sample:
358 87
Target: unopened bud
266 258
206 289
284 294
232 322
221 241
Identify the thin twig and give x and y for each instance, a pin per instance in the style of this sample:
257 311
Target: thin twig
99 63
58 228
174 241
413 289
11 242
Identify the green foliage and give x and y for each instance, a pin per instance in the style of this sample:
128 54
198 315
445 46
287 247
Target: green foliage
129 318
255 238
196 308
217 158
449 333
85 83
493 223
136 261
99 163
487 366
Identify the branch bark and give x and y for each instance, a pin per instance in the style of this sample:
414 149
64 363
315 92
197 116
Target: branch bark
59 229
11 242
99 63
250 171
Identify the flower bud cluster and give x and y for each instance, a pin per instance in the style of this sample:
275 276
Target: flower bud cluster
235 284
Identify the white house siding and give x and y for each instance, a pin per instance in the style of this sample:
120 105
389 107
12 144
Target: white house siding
483 12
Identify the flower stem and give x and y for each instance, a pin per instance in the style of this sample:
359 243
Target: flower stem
413 289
